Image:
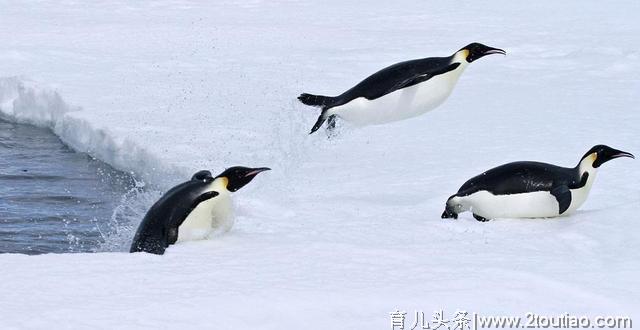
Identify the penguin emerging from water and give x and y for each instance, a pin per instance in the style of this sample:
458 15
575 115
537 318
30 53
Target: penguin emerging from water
530 189
192 210
401 91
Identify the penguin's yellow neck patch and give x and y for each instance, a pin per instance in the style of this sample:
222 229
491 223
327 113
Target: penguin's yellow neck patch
221 182
586 164
461 56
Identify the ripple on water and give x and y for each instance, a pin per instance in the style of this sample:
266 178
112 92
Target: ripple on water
55 200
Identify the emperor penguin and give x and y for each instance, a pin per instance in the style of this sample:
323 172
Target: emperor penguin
400 91
530 189
192 210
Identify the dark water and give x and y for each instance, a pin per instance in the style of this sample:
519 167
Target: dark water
53 199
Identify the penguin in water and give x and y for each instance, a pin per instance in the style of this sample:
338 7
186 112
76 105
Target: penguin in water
530 189
400 91
192 210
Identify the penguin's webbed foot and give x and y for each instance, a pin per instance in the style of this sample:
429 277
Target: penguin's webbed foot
331 127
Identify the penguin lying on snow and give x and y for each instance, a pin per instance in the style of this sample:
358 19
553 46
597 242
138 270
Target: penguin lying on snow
403 90
191 210
530 189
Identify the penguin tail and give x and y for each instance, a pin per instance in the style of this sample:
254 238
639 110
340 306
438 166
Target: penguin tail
316 100
324 102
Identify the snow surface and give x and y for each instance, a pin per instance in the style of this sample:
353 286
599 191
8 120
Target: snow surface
341 232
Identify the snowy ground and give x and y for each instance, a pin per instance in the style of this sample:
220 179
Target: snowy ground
341 232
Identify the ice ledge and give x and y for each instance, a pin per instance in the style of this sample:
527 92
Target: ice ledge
25 101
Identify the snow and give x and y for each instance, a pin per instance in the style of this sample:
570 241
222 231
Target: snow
340 233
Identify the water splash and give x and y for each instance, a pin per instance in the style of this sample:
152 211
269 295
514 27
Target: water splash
55 200
119 231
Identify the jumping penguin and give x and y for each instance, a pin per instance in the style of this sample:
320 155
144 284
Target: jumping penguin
530 189
192 210
400 91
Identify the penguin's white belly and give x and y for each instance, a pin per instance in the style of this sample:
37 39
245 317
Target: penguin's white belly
400 104
579 196
213 215
538 204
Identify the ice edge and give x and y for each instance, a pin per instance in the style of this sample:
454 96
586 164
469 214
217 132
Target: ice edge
28 102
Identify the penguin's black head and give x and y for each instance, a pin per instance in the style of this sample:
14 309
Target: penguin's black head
449 213
601 154
450 210
477 50
238 176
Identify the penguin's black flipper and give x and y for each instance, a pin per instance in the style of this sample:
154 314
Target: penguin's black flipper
563 196
183 215
420 78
